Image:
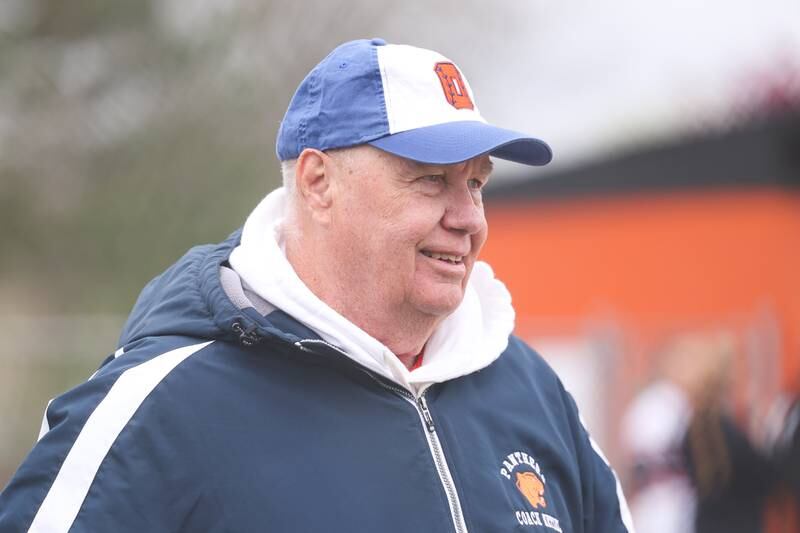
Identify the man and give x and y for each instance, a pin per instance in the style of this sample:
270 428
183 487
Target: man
341 364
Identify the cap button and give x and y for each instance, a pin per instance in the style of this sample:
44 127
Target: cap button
378 42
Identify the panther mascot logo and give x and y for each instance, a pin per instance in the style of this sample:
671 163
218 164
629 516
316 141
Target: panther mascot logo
532 488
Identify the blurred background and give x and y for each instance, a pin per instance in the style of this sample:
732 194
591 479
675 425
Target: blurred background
655 262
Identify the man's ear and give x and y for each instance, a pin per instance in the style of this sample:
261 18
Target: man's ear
313 173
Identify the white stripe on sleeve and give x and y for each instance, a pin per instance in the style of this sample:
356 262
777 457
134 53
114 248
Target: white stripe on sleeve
624 511
45 427
66 495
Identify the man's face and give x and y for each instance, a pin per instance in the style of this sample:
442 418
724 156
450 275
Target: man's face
407 234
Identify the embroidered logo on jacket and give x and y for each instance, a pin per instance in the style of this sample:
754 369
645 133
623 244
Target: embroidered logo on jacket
525 473
532 488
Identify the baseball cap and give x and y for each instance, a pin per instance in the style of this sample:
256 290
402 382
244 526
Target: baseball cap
408 101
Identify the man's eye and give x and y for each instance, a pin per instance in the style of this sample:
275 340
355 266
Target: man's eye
433 178
476 184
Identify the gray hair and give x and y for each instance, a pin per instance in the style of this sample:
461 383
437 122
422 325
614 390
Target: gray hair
287 171
289 167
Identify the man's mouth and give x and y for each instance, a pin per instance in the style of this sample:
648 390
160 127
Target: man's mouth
448 258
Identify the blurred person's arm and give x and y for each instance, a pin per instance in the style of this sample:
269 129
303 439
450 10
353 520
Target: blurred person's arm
787 448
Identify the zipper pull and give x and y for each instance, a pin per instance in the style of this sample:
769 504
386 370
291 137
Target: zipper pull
426 414
246 337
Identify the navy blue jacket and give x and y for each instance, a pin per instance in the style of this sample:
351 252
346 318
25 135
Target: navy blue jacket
214 418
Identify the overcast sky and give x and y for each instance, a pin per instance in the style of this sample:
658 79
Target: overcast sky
588 77
615 72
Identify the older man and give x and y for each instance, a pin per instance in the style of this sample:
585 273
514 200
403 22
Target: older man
342 364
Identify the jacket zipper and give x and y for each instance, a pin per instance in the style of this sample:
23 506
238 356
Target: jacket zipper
441 466
434 445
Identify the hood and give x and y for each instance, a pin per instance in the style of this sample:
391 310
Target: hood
188 300
471 338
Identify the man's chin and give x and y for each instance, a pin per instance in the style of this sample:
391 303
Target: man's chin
441 303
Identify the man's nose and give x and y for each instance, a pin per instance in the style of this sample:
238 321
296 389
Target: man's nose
464 211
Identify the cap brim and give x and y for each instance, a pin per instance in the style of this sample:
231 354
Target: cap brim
454 142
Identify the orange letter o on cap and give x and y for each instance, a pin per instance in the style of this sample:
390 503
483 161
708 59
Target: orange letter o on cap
455 90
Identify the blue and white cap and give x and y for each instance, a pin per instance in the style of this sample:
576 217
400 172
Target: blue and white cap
408 101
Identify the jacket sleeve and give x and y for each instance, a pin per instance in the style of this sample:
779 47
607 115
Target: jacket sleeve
104 462
605 507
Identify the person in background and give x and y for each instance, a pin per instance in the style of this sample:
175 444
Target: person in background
694 468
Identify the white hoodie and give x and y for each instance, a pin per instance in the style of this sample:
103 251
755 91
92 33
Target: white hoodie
471 338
